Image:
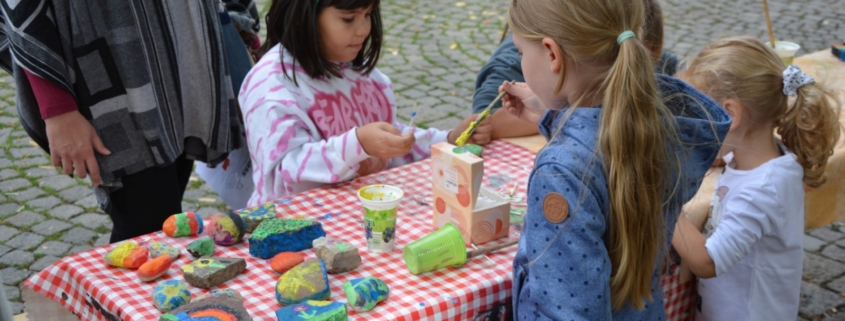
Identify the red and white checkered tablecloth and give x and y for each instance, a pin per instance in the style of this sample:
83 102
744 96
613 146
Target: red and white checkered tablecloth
84 285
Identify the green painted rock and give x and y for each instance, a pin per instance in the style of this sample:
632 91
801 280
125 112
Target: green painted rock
307 281
313 311
207 272
201 247
471 148
364 294
339 256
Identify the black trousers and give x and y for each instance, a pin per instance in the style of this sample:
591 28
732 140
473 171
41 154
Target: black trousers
148 198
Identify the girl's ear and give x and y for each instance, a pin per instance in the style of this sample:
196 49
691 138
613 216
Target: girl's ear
554 54
734 109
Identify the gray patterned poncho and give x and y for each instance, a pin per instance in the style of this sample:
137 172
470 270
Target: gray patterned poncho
149 75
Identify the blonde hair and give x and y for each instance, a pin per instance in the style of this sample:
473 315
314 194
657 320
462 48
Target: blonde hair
748 71
637 131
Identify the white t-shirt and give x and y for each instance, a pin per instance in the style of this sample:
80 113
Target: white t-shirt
756 243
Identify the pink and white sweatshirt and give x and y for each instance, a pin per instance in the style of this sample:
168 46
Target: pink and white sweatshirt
303 137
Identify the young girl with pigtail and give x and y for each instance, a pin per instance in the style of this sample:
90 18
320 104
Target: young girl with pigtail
626 149
749 256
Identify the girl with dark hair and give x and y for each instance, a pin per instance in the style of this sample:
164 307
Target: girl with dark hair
317 110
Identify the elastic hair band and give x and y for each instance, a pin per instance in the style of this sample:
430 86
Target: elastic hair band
625 35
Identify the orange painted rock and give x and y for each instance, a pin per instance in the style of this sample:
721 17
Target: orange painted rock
285 261
154 268
182 224
127 255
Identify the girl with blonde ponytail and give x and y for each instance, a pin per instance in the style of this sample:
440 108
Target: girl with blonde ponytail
751 251
626 149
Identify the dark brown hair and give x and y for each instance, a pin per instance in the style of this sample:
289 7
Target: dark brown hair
293 23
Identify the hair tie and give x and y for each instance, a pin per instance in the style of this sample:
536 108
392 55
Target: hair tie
793 79
625 35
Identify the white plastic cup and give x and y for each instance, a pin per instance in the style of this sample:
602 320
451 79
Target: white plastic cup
380 203
786 50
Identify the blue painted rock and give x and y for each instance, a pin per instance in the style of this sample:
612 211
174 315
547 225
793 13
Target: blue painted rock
364 294
254 216
170 294
277 235
226 229
307 281
158 249
339 256
201 247
207 272
221 308
221 292
313 311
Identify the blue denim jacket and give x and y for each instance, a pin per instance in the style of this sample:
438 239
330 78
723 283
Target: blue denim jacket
562 271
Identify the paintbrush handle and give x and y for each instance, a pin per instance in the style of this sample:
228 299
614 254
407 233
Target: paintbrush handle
468 132
485 250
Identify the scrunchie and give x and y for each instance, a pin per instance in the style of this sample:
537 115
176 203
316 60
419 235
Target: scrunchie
793 79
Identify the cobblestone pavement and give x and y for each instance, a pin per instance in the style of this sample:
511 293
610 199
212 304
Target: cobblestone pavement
432 51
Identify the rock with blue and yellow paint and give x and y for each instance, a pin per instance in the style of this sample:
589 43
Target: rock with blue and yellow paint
313 311
255 215
364 294
170 294
307 281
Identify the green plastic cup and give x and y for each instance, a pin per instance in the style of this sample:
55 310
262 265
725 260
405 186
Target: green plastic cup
380 205
442 248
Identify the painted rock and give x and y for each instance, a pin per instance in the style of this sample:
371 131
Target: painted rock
364 294
221 292
182 224
285 261
154 268
339 256
209 272
201 247
313 310
226 229
307 281
170 294
127 255
222 308
254 216
277 235
158 249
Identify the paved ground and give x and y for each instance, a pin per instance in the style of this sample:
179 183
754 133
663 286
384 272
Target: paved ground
433 49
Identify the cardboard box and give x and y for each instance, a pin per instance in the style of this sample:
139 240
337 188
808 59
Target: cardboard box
480 214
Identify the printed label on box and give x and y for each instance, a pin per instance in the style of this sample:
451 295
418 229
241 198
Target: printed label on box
451 179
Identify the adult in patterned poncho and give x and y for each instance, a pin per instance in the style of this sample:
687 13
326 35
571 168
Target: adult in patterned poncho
129 92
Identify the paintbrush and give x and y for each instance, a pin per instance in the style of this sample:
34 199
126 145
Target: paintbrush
485 250
468 132
410 122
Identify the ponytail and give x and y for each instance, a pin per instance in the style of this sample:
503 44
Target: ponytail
810 129
633 140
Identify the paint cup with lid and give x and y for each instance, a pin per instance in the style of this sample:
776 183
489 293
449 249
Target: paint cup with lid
441 248
380 204
786 50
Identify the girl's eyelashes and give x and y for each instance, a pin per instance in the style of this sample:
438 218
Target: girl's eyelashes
348 20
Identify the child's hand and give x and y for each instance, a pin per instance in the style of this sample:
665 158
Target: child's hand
481 134
371 165
521 102
384 141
